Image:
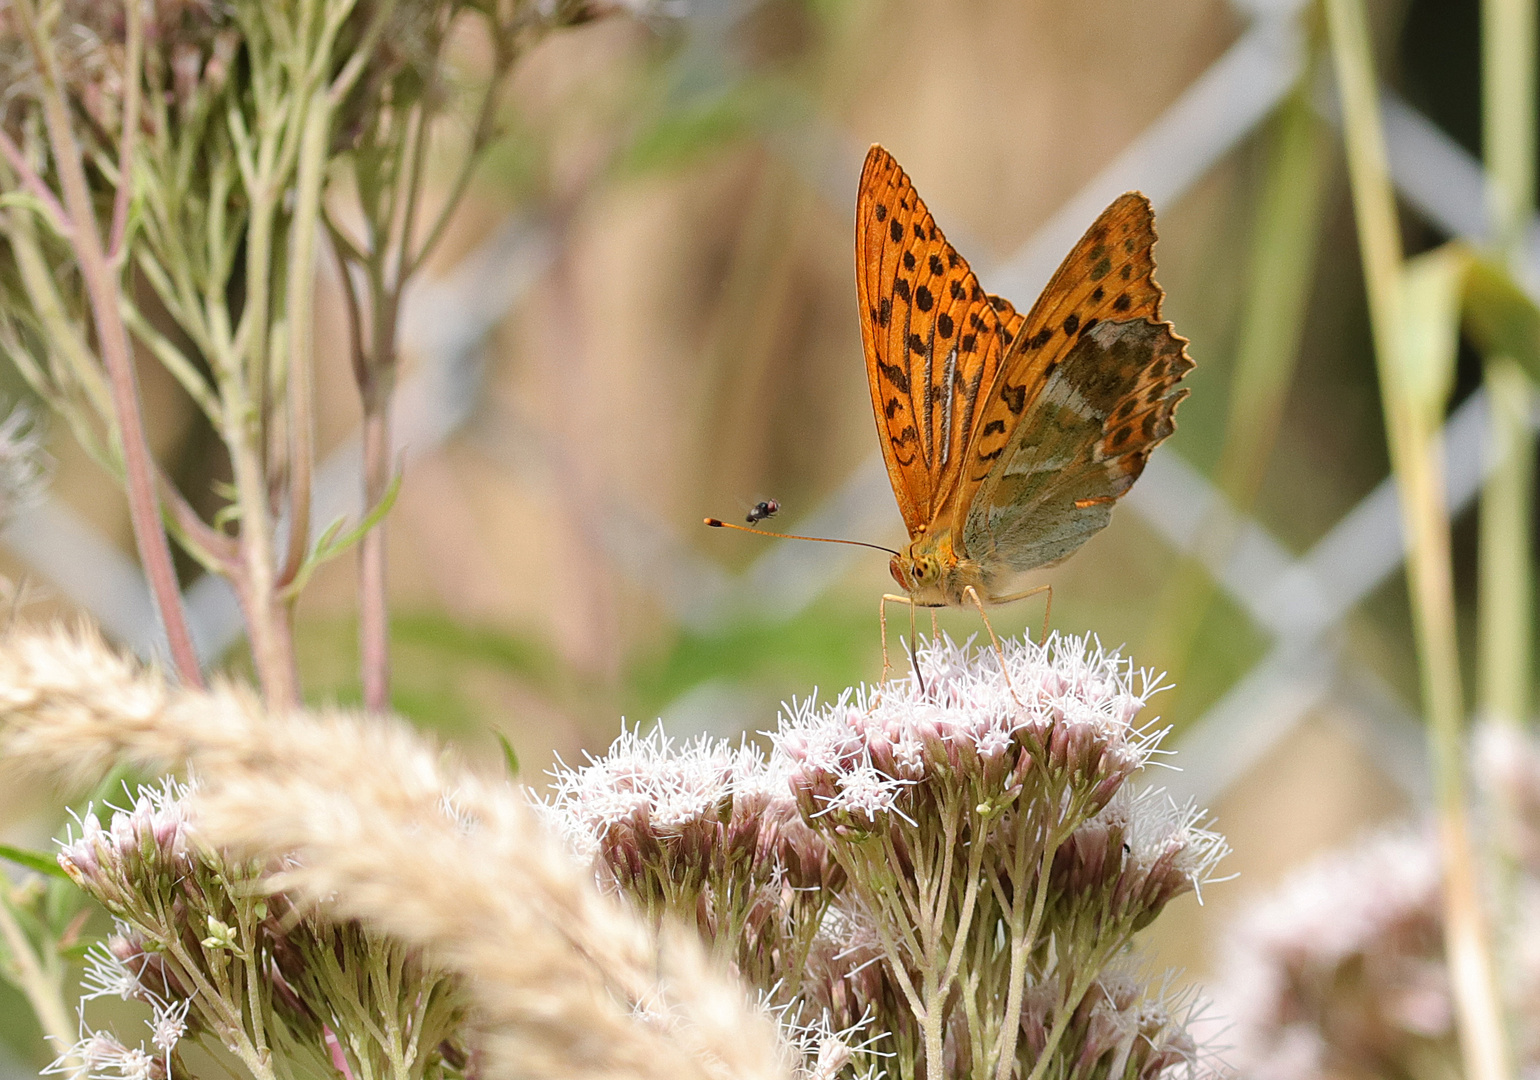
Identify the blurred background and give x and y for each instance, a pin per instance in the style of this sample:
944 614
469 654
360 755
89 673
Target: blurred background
645 314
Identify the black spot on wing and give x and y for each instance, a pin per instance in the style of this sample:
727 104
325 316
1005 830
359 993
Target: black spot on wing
1015 397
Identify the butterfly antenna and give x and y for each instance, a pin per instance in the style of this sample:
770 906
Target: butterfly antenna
718 523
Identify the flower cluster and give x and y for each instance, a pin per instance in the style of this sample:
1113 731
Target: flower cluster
204 939
709 834
1340 971
956 858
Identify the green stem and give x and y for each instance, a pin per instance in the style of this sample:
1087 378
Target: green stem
1508 116
1507 503
1023 935
1505 580
301 317
1415 452
40 983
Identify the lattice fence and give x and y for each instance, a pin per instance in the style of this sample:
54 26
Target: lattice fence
1300 603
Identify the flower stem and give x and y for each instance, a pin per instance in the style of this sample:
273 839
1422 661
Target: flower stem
1507 501
1022 936
38 984
1416 456
104 292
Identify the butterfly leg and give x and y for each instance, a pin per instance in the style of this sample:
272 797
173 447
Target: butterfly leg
1047 607
973 594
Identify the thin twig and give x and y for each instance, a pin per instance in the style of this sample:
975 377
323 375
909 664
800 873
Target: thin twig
130 136
34 184
41 987
103 288
481 135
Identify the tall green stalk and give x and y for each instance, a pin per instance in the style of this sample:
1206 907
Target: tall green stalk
1506 581
1413 410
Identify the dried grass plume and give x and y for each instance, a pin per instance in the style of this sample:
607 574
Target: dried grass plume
381 827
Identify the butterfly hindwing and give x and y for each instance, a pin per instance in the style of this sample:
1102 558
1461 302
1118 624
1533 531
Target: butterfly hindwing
934 339
1085 393
1088 436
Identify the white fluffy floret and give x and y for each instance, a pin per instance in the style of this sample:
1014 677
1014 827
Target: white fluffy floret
1069 702
649 776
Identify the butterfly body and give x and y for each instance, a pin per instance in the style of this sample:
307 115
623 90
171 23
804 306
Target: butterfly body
1008 438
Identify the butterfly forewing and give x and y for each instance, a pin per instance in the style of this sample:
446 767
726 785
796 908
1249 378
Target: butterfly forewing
934 339
1084 394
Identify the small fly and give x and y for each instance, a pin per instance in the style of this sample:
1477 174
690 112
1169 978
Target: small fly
765 508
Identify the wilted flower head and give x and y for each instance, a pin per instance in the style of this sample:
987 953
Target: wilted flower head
99 1055
123 967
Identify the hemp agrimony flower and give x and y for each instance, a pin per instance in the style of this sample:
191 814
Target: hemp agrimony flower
708 834
203 939
977 859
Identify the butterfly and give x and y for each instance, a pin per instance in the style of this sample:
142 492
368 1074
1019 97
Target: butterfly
1007 437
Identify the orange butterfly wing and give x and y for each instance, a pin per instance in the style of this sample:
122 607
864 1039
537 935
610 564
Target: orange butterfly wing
934 340
1083 396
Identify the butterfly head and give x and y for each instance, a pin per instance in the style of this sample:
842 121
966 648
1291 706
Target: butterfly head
925 568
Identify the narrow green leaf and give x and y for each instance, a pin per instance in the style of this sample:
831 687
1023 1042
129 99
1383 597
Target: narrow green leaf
1432 285
40 861
510 755
25 200
1500 317
329 545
